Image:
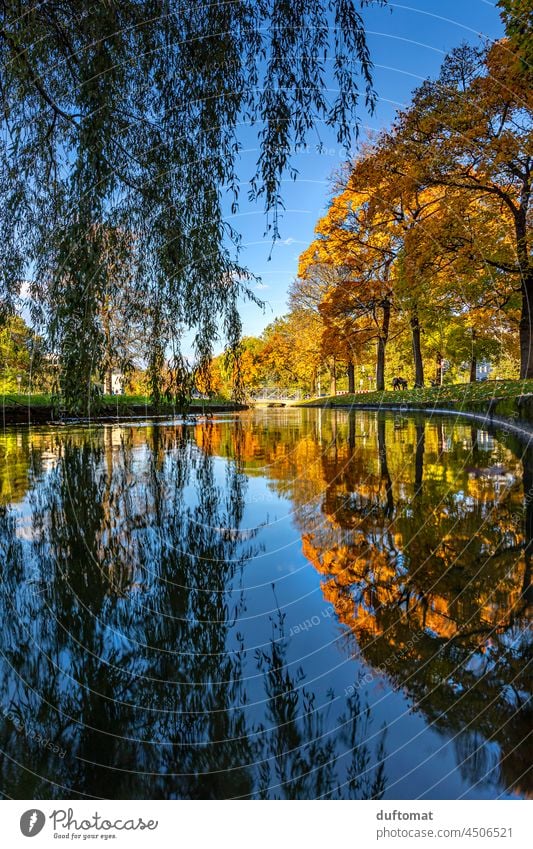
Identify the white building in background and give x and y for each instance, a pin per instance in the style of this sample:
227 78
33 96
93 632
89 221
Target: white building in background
483 370
117 383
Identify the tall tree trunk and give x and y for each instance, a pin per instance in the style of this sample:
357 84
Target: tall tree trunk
473 359
526 274
382 344
106 322
440 438
438 370
334 435
333 381
351 378
526 329
473 369
417 351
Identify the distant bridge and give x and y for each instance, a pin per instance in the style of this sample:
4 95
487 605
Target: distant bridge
271 396
264 397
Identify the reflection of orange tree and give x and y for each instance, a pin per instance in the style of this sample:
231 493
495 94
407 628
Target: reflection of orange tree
416 533
449 569
466 667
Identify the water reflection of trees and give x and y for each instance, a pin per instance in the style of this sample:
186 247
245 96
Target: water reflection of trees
449 566
423 536
121 596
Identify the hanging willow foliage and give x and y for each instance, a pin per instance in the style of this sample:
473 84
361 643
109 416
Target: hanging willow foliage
122 124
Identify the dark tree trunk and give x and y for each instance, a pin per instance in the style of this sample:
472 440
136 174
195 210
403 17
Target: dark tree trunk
351 378
526 328
380 367
106 321
526 274
382 344
473 359
438 370
417 351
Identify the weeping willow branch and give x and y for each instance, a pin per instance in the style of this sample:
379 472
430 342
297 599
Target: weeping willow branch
123 117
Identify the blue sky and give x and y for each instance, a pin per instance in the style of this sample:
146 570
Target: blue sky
408 42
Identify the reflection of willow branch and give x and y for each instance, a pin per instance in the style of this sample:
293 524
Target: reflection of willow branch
112 644
304 757
122 652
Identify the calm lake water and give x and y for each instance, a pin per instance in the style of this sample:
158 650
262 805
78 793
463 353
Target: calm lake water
277 604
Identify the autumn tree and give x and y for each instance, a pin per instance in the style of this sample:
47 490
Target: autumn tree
292 353
310 296
432 237
354 240
464 299
404 212
470 132
244 372
431 222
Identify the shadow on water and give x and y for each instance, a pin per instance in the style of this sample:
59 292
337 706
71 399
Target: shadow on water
123 670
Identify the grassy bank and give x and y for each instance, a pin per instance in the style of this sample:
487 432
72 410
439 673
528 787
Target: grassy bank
43 400
505 398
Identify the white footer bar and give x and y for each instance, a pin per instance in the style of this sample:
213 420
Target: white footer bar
253 825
